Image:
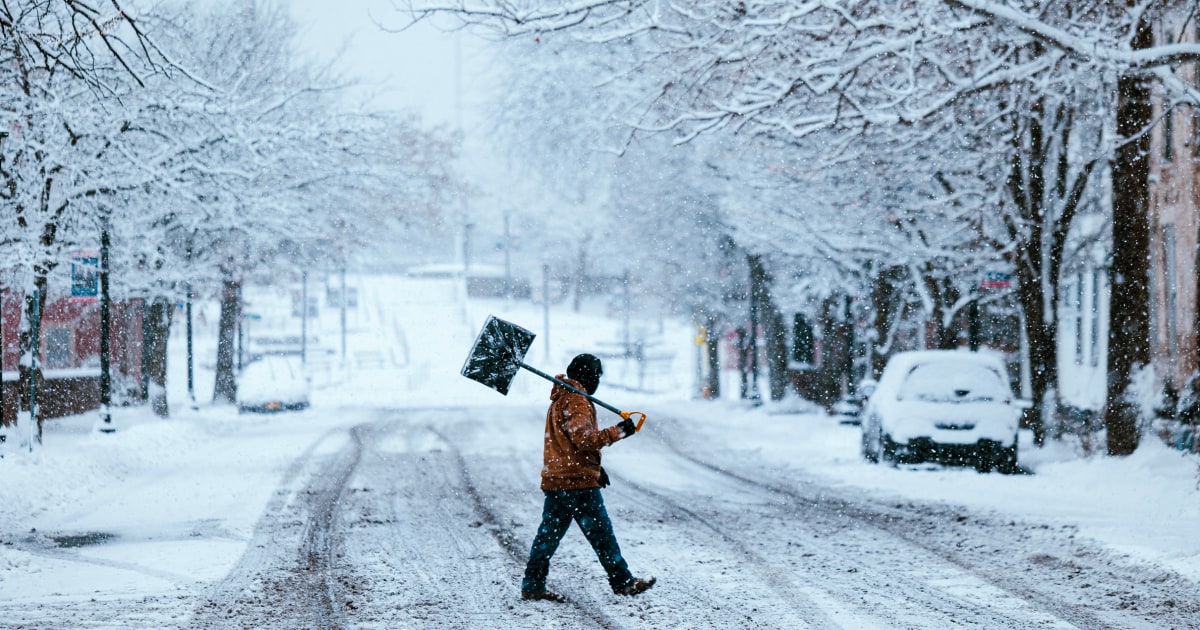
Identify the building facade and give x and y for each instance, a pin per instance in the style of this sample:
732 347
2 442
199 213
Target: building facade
69 343
1175 230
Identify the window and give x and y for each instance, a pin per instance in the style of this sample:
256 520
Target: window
58 348
1077 313
1196 128
1170 287
1168 139
803 349
954 381
1097 279
1195 110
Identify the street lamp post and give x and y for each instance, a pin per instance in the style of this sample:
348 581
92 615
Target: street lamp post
34 367
546 307
191 381
303 316
508 288
106 425
240 338
343 313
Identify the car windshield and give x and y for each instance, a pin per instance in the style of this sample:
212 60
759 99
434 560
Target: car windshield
953 381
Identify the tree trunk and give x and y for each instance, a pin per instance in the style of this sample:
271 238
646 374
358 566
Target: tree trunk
942 295
763 312
1043 351
743 363
777 353
1027 186
225 389
3 414
884 303
156 330
1129 276
712 344
30 380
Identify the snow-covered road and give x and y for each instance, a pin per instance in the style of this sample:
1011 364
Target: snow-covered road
422 518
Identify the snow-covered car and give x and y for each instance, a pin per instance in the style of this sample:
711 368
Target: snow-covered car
943 405
265 345
273 383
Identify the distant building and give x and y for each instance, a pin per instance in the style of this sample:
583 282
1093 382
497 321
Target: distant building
1174 203
69 342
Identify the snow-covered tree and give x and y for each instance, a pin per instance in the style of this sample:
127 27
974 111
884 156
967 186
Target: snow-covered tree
61 65
624 209
213 151
798 69
261 162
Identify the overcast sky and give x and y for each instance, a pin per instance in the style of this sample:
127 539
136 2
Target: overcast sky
440 75
420 69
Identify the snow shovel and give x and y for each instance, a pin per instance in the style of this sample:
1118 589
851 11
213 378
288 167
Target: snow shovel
498 353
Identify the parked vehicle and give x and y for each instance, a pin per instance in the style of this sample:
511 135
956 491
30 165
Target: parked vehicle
943 405
271 384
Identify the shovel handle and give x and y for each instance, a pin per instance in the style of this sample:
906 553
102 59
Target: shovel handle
636 416
625 415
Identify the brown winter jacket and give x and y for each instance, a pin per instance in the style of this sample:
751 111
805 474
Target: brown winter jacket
571 456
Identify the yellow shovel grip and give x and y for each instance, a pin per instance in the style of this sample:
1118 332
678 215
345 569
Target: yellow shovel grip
638 416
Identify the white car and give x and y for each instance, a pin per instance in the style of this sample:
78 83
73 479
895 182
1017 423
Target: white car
943 405
273 383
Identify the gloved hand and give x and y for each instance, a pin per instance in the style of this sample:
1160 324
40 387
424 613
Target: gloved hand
604 478
627 427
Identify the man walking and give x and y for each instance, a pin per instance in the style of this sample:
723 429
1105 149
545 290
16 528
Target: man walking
571 480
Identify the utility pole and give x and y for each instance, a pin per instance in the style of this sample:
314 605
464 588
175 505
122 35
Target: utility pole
303 315
626 305
240 339
546 307
191 356
508 288
191 351
343 314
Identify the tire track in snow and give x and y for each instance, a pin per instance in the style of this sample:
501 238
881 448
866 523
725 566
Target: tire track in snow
286 577
780 581
708 603
504 535
828 572
839 513
407 541
1102 591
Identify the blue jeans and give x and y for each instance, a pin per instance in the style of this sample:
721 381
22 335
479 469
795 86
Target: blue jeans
585 507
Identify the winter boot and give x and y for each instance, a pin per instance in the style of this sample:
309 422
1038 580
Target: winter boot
549 596
635 587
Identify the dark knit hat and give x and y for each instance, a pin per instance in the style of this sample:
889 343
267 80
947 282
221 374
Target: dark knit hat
586 369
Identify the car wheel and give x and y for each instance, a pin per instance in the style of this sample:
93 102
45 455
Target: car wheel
1006 460
869 453
887 448
984 459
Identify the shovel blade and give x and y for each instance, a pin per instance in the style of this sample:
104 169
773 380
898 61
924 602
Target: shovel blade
497 354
